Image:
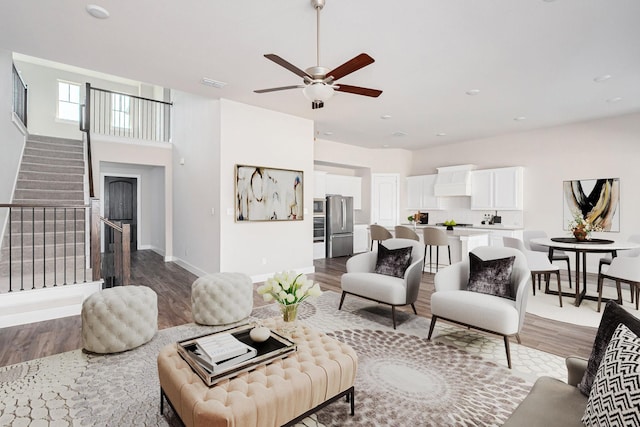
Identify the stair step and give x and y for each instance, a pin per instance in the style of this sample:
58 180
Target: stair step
47 213
40 280
43 238
32 194
51 176
51 154
52 161
22 184
79 148
39 167
48 202
48 251
54 140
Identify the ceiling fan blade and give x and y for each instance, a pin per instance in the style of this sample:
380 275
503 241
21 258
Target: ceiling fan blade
358 90
350 66
289 66
273 89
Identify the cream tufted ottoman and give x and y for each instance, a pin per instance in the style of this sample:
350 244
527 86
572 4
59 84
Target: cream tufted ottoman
119 319
275 394
221 298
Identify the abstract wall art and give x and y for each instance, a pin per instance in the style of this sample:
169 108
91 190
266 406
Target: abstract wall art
597 199
268 194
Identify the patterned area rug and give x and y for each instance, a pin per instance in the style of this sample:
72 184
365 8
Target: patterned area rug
459 378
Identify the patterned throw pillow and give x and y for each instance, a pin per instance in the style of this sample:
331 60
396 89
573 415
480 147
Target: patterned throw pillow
615 395
612 316
492 276
393 262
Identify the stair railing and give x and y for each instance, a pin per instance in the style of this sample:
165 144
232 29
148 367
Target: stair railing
116 259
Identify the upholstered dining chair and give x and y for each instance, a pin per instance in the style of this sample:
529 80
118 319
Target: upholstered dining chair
606 260
404 232
361 278
538 264
431 237
622 269
378 233
558 255
454 301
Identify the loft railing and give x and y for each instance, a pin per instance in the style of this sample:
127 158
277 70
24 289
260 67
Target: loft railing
44 246
19 97
128 116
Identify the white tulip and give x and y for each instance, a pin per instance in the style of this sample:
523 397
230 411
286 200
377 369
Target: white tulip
291 298
315 290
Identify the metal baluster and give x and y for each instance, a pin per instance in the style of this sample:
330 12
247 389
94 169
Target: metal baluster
84 248
44 247
10 247
55 247
64 247
22 249
33 248
75 246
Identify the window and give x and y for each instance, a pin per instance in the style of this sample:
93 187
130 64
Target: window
120 105
68 101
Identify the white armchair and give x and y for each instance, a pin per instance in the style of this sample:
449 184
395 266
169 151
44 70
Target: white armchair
452 301
361 280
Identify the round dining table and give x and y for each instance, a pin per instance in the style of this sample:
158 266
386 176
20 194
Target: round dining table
571 244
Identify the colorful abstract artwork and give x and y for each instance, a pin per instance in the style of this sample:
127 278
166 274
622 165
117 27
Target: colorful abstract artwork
598 200
268 194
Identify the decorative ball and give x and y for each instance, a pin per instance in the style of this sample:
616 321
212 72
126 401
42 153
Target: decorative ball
260 334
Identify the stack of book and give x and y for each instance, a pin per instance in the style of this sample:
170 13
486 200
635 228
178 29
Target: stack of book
220 351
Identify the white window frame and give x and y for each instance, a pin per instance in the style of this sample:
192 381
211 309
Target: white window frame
120 111
68 101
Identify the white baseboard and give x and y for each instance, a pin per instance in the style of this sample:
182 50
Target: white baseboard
23 307
190 268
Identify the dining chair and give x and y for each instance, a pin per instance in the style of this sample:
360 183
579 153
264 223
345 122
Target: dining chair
404 232
606 260
435 237
538 264
558 255
378 233
622 269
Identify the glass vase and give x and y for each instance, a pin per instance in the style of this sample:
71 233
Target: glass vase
289 318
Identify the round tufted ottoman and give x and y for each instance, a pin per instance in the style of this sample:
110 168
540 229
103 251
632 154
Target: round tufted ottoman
221 298
119 319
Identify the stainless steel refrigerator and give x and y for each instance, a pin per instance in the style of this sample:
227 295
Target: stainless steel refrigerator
339 227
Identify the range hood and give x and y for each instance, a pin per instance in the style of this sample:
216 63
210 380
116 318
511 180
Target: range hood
453 181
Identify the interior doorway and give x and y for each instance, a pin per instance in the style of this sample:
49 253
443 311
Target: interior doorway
384 199
121 206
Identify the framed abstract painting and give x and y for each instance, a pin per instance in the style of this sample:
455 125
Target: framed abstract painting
598 200
268 194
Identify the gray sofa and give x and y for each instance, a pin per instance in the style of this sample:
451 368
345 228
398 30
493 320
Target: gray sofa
552 402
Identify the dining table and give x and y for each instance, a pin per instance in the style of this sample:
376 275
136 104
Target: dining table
581 249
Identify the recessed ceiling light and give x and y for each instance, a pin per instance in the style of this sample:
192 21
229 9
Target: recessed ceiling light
213 83
602 78
328 133
519 119
97 11
386 145
616 99
472 92
399 133
441 134
385 117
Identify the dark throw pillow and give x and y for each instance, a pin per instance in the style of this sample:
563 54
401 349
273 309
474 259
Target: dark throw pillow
615 395
492 276
393 262
612 316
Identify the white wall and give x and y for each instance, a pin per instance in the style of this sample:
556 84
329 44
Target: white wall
153 164
42 82
255 136
11 138
196 139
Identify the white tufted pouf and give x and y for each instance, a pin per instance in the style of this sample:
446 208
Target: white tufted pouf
221 298
119 319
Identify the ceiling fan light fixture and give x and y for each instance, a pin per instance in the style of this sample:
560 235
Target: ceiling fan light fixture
318 92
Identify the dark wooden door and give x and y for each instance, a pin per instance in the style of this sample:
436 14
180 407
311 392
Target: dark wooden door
120 205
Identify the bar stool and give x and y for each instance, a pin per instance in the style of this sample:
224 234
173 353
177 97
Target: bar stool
404 232
378 233
622 269
558 255
538 264
435 237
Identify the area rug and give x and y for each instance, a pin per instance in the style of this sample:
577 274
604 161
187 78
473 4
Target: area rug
459 378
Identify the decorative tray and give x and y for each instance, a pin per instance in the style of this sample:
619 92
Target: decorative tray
574 240
275 347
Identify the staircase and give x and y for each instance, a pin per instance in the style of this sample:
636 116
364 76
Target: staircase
48 245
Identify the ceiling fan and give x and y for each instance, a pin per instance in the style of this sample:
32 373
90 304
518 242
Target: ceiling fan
320 83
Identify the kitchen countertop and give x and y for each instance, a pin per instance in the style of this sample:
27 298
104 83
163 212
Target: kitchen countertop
474 227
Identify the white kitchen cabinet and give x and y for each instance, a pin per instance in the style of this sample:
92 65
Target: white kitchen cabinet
497 189
319 250
319 185
360 238
420 194
345 186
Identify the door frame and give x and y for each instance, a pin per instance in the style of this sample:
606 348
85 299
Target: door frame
138 178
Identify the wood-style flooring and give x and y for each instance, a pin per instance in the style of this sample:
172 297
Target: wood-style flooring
173 286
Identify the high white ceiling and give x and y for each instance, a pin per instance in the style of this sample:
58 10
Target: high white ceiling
528 58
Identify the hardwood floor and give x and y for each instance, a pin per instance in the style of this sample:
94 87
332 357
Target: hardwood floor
173 286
